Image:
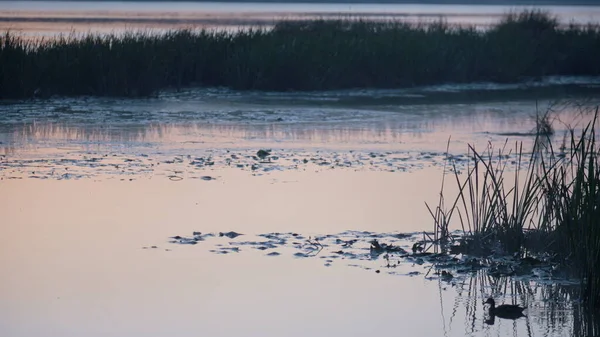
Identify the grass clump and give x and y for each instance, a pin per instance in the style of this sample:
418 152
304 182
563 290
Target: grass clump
549 203
572 196
298 55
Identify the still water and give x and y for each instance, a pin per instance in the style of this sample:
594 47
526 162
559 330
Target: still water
92 190
49 18
88 186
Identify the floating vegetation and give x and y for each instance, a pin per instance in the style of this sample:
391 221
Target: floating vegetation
538 283
383 252
177 168
298 55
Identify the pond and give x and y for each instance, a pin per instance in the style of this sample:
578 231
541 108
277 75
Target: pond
97 193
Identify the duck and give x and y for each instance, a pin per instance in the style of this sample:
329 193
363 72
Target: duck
508 311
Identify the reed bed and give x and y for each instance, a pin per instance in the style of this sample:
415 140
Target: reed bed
550 204
298 55
572 198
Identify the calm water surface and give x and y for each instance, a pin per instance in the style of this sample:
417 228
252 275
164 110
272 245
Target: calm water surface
87 183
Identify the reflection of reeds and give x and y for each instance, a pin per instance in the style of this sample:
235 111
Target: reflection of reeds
554 311
298 55
586 323
543 124
553 207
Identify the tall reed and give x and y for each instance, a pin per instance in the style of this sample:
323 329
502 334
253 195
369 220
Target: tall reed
552 204
493 209
572 194
298 55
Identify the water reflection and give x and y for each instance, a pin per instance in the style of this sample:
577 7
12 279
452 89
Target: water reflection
75 259
389 128
34 135
384 136
404 131
551 307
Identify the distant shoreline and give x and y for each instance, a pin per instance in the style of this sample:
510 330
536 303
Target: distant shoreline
532 3
313 55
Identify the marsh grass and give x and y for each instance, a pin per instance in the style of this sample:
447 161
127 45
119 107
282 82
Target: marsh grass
441 214
543 123
572 194
587 323
298 55
494 208
549 203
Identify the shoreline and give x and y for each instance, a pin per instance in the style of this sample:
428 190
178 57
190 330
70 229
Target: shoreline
401 2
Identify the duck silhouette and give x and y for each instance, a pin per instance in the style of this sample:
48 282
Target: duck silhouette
507 311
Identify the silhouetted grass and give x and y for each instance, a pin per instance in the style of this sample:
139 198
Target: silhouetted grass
572 196
549 203
495 207
298 55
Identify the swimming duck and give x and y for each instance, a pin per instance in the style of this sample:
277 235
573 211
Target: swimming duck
508 311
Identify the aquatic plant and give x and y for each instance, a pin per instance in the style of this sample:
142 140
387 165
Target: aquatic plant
442 215
297 55
572 194
493 209
586 322
543 123
551 205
